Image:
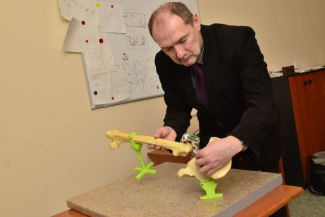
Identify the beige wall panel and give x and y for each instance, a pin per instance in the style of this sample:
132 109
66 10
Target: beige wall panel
287 31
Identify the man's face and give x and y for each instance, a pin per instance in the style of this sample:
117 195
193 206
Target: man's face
182 43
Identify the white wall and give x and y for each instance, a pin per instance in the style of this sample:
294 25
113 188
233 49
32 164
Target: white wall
53 147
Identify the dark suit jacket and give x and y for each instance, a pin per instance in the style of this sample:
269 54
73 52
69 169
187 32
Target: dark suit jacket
239 91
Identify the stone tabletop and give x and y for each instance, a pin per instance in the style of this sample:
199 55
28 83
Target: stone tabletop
164 194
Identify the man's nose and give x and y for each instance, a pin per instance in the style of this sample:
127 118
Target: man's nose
179 52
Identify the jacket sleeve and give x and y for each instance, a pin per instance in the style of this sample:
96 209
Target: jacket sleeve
178 113
261 110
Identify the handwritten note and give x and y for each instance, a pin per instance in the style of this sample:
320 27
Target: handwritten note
86 10
120 86
82 36
64 6
111 16
103 61
100 87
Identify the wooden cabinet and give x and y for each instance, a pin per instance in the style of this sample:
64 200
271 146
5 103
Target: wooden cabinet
308 101
301 100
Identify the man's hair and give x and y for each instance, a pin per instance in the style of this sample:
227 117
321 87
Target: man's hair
175 8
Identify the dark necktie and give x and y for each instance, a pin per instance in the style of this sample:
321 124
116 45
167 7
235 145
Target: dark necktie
201 93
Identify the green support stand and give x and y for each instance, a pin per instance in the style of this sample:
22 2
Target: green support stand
145 169
209 187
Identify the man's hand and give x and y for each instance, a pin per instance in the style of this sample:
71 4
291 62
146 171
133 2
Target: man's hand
167 133
217 154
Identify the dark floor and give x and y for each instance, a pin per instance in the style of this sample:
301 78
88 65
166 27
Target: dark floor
307 205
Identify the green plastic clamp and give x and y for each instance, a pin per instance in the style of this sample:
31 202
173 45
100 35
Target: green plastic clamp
209 187
145 169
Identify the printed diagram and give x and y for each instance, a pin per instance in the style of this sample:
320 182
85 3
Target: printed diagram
135 20
137 42
142 75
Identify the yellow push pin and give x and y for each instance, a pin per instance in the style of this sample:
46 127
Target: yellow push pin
97 4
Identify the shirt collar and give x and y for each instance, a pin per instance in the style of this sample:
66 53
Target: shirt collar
200 56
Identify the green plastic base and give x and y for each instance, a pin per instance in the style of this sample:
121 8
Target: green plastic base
209 188
145 169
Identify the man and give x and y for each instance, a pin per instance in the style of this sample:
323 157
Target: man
220 71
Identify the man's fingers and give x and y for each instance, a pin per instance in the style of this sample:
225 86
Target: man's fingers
210 172
209 169
199 154
151 146
164 133
204 169
158 133
199 162
158 148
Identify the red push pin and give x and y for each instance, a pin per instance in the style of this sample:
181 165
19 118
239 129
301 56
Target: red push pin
112 6
112 98
83 22
101 40
86 41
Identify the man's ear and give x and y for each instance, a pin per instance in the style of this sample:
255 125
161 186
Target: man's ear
196 21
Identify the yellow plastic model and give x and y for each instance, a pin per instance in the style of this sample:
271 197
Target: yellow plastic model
193 171
179 149
208 183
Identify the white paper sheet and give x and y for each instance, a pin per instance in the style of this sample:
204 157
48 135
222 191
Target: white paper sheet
120 86
100 87
82 38
111 16
102 62
64 6
86 10
309 69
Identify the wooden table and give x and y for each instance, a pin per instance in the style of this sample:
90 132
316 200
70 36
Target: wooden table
265 206
159 157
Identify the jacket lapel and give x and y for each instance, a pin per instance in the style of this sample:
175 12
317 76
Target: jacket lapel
213 69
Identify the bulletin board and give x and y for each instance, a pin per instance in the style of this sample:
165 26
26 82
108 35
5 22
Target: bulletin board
119 63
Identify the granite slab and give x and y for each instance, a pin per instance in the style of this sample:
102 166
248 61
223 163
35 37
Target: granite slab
164 194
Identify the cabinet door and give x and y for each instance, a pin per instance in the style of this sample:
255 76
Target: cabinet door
308 101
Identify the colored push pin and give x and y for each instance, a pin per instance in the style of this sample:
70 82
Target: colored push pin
112 98
95 93
97 4
101 40
83 22
112 6
86 41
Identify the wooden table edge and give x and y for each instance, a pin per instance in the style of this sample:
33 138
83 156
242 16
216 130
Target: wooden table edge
263 207
70 213
271 202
